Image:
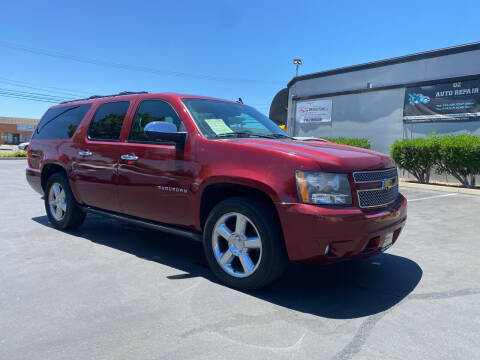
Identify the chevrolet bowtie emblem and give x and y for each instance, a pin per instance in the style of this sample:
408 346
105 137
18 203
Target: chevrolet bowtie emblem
387 184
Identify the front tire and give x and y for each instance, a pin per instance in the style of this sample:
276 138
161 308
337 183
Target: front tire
243 244
60 205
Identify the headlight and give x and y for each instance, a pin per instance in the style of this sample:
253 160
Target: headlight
323 188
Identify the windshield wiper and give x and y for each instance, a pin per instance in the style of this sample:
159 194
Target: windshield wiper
278 136
248 134
233 134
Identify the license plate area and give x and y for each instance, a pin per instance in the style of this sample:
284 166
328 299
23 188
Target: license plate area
388 241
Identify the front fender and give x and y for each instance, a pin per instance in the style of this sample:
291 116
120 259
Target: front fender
229 180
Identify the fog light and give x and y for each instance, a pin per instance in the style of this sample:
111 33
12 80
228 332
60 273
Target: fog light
339 199
327 249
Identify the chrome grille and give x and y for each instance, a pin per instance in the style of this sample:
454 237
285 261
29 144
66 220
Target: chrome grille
381 196
374 175
377 197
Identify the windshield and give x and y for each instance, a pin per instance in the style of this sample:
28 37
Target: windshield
221 119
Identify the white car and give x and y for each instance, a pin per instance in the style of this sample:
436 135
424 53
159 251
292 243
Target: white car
23 146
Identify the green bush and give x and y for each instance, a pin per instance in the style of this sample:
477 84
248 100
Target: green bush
459 156
362 143
19 153
456 155
417 156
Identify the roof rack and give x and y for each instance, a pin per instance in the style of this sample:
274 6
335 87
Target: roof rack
103 96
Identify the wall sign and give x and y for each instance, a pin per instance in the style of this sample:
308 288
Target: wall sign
309 111
457 101
25 127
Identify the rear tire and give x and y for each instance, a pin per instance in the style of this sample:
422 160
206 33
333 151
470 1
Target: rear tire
60 205
243 244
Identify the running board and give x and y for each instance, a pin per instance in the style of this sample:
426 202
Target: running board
194 235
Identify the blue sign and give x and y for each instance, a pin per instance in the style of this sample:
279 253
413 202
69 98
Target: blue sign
454 101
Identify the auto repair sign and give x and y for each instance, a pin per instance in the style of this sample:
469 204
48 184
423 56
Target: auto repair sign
309 111
454 101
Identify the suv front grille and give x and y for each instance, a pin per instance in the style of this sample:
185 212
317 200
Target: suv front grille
377 197
386 192
375 175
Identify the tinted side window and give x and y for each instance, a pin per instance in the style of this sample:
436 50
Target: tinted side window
61 123
107 123
152 110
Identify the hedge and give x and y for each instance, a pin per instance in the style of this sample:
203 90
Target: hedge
456 155
362 143
459 156
417 156
19 153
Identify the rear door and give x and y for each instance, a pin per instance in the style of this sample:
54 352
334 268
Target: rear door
155 182
97 156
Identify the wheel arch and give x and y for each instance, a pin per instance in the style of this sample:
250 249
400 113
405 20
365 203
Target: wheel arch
51 168
48 170
216 192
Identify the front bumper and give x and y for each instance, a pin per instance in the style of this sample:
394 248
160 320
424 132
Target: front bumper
320 234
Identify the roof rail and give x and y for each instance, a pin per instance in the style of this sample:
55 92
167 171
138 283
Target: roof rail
103 96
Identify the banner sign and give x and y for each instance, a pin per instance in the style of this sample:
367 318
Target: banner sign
457 101
25 127
309 111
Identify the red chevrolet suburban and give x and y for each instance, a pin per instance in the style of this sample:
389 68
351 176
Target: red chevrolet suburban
219 172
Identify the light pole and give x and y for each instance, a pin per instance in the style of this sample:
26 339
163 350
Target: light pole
297 62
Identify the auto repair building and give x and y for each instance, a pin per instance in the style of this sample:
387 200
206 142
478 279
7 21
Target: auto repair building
387 100
14 131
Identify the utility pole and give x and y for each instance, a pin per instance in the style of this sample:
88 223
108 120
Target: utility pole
297 62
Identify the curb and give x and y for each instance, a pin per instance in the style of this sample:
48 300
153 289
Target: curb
12 158
450 189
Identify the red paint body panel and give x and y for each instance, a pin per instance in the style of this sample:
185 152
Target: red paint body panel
309 229
34 179
137 188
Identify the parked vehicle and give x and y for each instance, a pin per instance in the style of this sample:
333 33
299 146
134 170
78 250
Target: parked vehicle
219 172
23 146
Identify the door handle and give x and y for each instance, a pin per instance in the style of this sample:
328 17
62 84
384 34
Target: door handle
85 153
129 157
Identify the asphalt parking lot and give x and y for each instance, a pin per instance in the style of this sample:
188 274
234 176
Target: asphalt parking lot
112 291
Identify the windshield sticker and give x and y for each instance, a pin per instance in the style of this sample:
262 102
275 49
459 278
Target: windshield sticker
218 126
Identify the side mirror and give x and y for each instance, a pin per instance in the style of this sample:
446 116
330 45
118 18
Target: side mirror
161 130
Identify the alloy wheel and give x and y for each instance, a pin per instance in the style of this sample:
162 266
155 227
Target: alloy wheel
57 201
237 245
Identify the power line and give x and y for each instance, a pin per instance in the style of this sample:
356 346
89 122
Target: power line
56 54
31 96
27 98
28 93
28 85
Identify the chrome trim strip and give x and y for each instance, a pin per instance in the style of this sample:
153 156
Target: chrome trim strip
147 224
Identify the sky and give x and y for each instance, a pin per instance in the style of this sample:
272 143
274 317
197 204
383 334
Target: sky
55 50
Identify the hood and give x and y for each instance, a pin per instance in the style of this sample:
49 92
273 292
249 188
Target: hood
328 156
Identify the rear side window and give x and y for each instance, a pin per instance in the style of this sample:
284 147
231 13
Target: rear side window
152 110
107 123
61 123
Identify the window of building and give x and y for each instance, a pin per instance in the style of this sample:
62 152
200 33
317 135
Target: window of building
11 138
107 123
152 110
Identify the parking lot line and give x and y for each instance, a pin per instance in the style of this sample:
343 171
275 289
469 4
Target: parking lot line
433 197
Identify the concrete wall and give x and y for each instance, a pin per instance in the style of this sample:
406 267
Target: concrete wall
376 116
